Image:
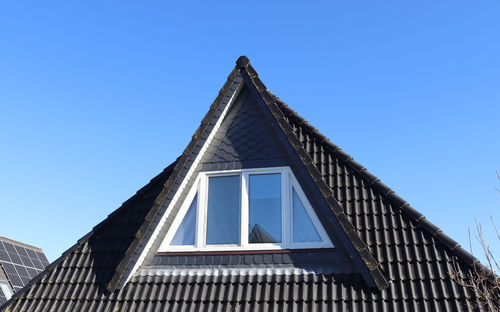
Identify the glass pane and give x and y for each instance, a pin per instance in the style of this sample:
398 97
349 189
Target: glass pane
223 211
186 232
303 228
265 208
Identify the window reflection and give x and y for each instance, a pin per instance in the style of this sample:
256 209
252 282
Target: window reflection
303 228
223 212
186 232
265 208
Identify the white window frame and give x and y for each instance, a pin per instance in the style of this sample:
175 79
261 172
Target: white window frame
200 187
4 285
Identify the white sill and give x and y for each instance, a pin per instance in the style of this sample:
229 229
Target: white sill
255 247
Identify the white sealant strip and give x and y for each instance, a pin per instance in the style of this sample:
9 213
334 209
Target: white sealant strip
162 271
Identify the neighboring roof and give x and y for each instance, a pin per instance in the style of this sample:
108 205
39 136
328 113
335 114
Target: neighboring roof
19 263
398 245
8 240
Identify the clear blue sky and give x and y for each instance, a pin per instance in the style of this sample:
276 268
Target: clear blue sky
97 97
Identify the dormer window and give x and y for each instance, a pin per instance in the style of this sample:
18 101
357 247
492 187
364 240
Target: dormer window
247 209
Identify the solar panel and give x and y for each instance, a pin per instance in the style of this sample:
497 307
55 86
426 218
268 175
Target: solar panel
26 261
9 247
14 257
32 272
42 257
20 263
22 271
4 256
21 251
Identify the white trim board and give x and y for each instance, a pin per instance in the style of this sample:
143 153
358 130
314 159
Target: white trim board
155 271
192 169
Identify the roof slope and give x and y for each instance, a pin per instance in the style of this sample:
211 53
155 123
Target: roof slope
19 263
92 262
412 253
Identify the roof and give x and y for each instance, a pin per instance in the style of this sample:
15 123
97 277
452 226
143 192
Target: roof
408 257
8 240
19 263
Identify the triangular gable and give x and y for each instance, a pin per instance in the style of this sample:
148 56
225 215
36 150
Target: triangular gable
245 138
201 153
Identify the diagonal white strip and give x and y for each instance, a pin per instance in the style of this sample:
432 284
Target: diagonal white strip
244 271
184 182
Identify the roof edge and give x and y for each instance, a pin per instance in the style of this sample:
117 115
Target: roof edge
86 237
390 194
181 162
371 263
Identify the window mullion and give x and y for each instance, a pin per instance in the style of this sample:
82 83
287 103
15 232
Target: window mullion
202 208
285 207
244 209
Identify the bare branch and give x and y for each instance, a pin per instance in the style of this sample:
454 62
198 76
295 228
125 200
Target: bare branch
498 175
470 243
485 284
495 227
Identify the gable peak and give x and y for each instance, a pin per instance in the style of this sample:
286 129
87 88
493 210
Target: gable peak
242 61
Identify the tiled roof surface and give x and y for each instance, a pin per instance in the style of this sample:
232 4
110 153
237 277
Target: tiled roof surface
247 137
307 292
414 256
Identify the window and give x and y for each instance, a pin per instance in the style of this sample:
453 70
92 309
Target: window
264 208
223 210
4 287
186 233
246 209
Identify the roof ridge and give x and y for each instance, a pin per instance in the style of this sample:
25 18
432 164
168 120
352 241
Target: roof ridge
385 190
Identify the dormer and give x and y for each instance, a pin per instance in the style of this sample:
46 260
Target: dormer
243 197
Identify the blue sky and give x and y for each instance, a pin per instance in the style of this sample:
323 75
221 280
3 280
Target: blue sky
97 97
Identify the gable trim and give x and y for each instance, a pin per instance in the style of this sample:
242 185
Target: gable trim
374 182
192 167
375 277
122 271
